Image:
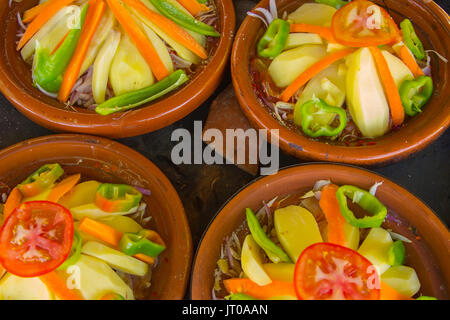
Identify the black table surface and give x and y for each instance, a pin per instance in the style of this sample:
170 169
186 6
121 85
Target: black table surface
203 189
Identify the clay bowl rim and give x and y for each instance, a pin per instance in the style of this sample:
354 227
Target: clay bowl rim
128 155
196 282
305 148
148 118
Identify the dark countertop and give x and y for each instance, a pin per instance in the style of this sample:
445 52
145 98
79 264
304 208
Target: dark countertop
204 189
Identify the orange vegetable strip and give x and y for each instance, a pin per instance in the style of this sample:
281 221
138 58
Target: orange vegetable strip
410 61
330 207
324 32
247 286
63 187
41 19
389 293
14 200
141 41
171 28
108 235
58 286
312 71
193 6
32 13
94 14
390 88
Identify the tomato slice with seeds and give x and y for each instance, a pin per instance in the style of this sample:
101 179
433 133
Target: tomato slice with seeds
326 271
362 23
36 238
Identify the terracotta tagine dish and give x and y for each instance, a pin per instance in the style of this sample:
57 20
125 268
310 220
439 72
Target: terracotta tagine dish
112 68
361 82
107 223
323 231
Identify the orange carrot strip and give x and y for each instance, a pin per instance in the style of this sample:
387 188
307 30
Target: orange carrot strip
247 286
108 235
312 71
94 14
58 286
41 19
14 200
63 187
171 28
324 32
390 88
141 41
389 293
410 61
32 13
193 6
330 207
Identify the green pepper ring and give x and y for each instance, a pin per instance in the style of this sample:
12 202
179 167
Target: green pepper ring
274 39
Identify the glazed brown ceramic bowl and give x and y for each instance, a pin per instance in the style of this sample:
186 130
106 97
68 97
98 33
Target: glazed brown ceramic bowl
433 27
108 161
429 254
16 85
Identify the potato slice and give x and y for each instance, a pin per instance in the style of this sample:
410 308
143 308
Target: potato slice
114 258
92 211
375 248
299 39
251 261
16 288
82 193
400 72
280 271
287 66
313 13
296 229
403 279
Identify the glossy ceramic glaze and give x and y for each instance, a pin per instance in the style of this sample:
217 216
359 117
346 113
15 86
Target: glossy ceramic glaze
16 85
433 27
431 259
108 161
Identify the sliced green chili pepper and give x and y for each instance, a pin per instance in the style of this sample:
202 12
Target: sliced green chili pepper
317 107
396 253
411 39
334 3
183 19
274 39
426 298
275 253
366 201
48 68
75 252
117 197
239 296
136 98
40 180
415 93
135 243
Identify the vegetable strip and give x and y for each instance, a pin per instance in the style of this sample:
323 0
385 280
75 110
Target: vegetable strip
312 71
410 61
56 285
42 19
14 199
193 6
32 13
330 207
170 27
94 15
141 41
63 187
247 286
389 293
324 32
390 88
108 235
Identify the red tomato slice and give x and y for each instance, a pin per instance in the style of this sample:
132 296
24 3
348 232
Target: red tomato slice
36 238
326 271
362 23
